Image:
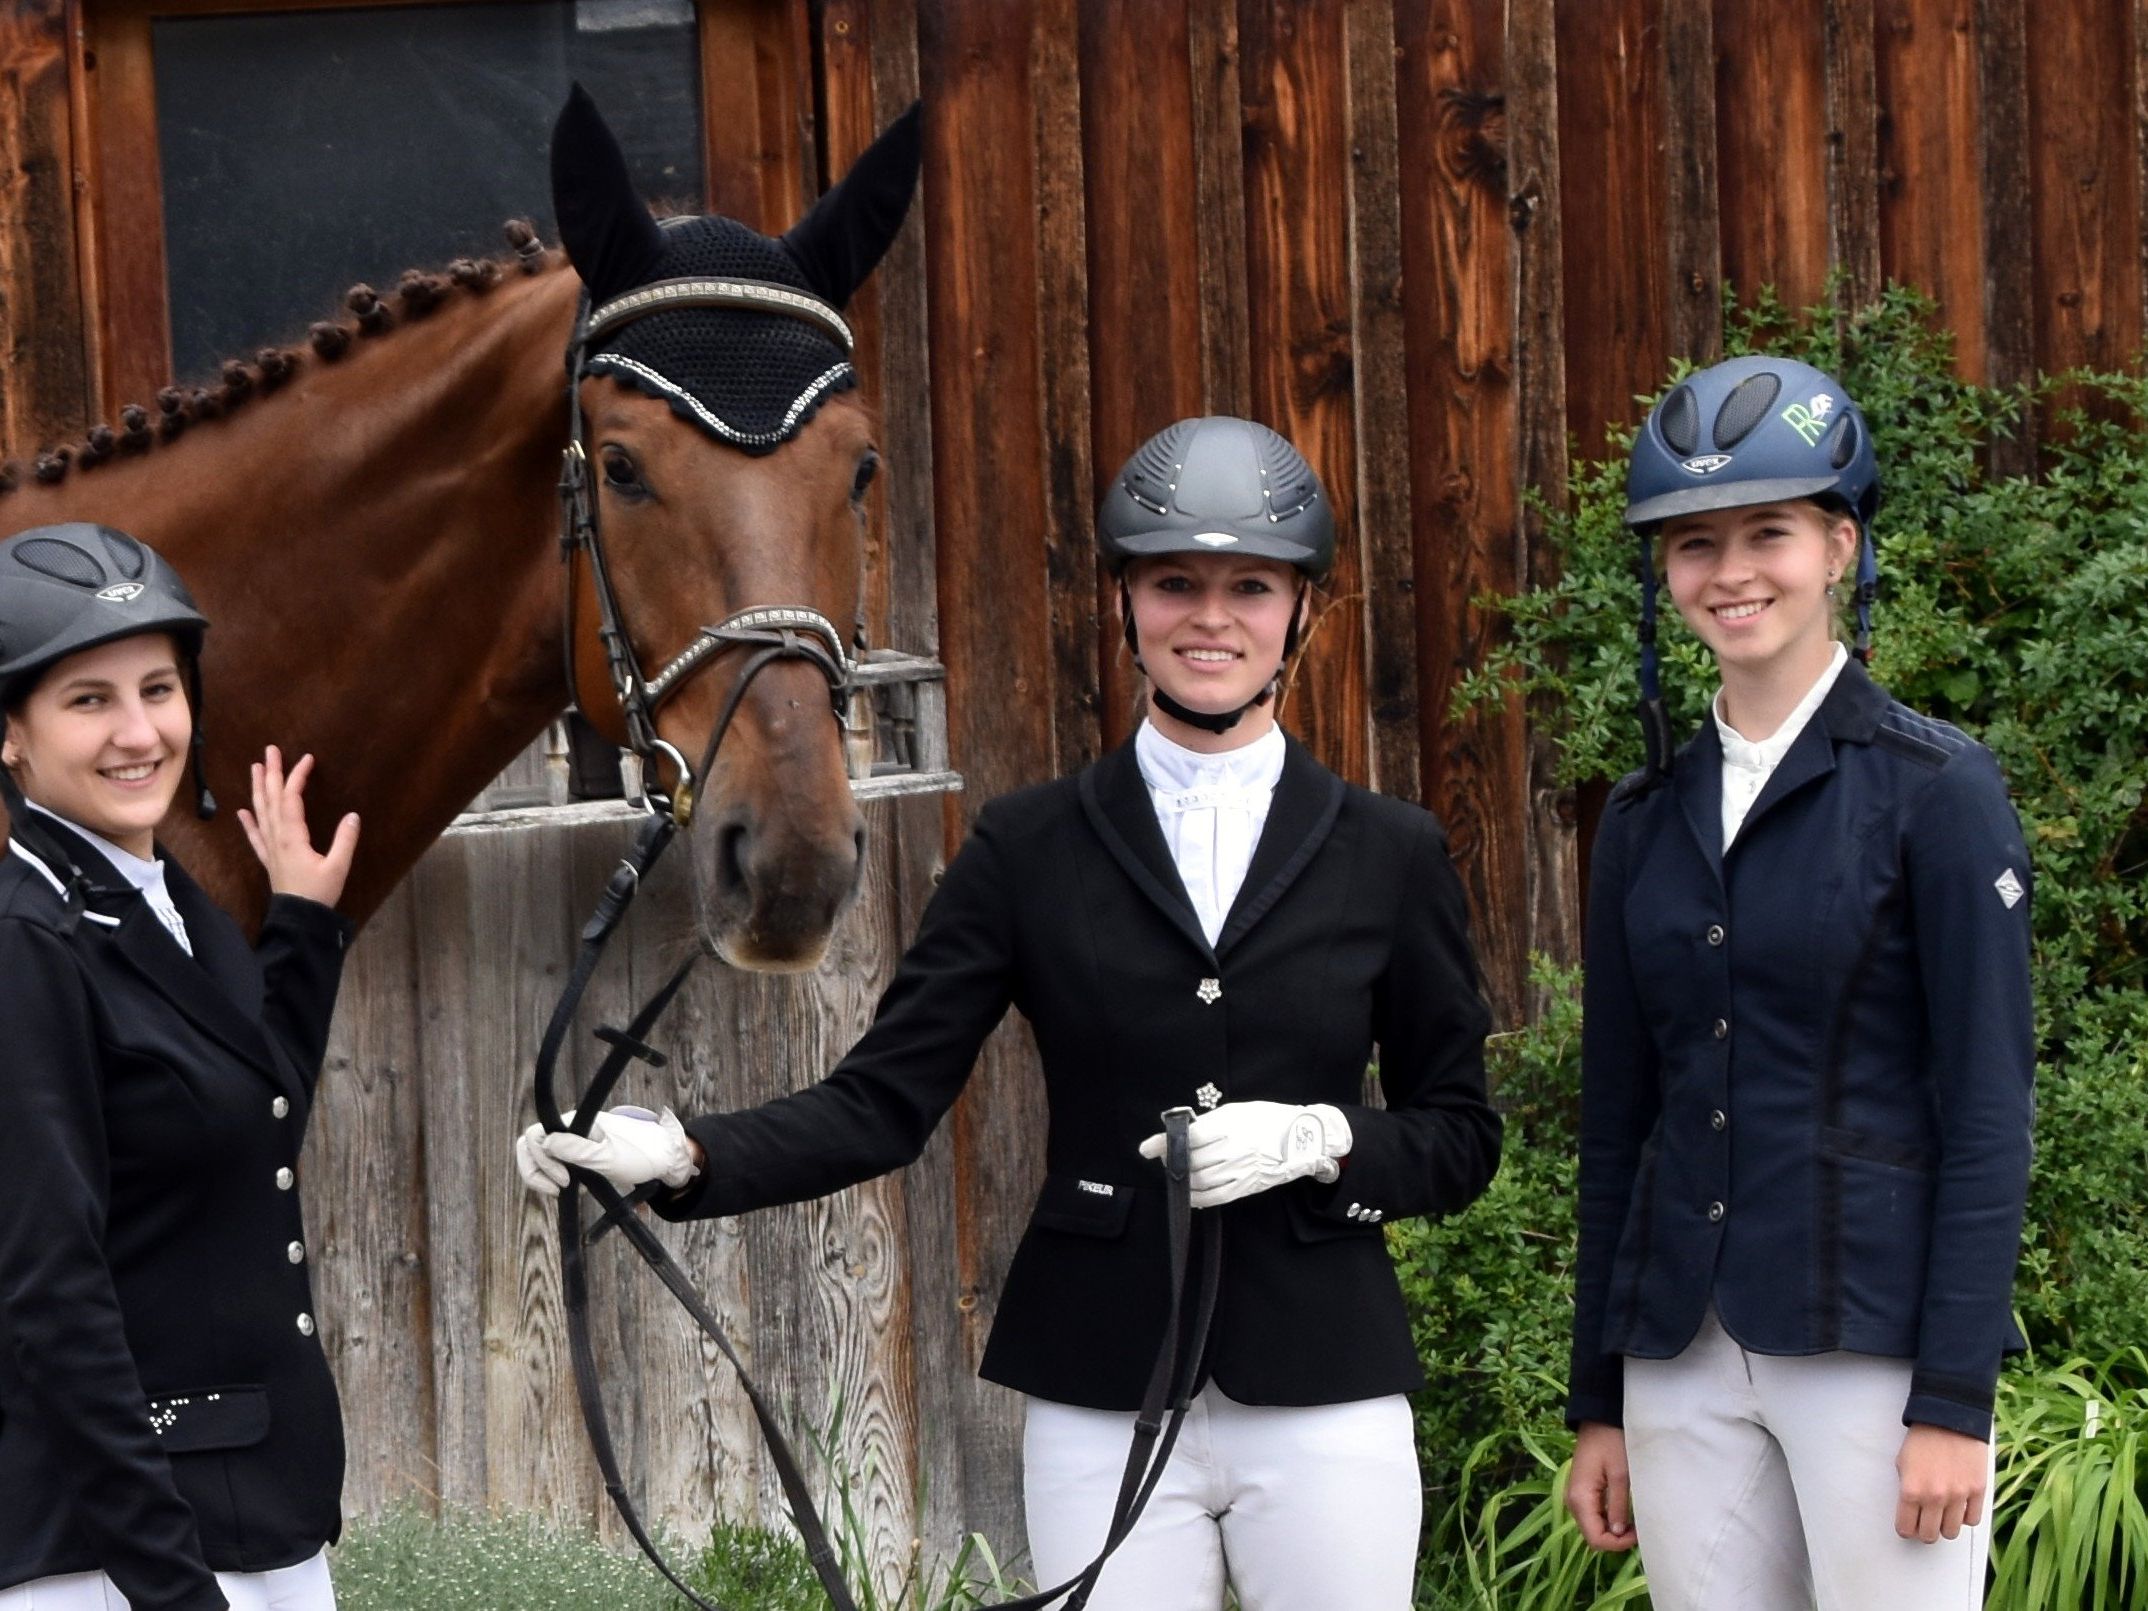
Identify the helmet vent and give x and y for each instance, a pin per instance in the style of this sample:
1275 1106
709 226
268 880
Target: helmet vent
1679 421
127 556
1288 478
1743 409
1845 441
62 561
1152 474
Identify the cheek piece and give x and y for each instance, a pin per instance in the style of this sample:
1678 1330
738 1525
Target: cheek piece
1222 721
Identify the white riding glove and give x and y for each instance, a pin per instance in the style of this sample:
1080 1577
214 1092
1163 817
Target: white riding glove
1245 1147
627 1146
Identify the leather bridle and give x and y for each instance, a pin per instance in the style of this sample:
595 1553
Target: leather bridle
778 631
773 632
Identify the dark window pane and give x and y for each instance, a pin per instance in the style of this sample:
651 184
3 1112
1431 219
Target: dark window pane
305 151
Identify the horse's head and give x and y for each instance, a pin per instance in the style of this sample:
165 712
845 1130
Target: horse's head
728 459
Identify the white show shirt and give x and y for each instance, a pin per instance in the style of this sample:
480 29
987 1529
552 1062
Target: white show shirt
146 876
1748 765
1211 809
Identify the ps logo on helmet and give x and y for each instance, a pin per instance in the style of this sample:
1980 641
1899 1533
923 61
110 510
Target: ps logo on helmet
122 593
1215 539
1705 464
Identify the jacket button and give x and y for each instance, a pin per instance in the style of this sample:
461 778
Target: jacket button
296 1252
1722 1029
1716 1120
1715 934
285 1180
1715 1213
280 1107
305 1325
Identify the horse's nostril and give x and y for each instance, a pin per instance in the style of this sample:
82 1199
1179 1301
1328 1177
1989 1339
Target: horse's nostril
731 855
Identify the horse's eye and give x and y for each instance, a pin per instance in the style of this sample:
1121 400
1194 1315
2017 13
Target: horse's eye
621 473
868 467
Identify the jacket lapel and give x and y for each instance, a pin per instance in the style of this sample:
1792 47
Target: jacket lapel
1307 798
215 990
1117 804
1698 777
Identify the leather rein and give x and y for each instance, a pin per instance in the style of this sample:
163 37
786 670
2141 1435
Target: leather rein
771 632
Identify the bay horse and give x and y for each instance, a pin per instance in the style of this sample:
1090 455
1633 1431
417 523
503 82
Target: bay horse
370 524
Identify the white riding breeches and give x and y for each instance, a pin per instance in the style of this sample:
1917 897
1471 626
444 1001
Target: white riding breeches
1768 1483
304 1587
1297 1508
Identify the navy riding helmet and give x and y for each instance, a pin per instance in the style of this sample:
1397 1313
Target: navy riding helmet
1745 431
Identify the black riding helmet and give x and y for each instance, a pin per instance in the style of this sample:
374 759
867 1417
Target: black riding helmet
71 587
1753 430
1217 485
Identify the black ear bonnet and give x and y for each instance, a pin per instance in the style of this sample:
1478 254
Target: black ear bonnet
747 378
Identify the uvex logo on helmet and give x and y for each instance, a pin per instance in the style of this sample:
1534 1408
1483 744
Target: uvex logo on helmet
122 592
1705 464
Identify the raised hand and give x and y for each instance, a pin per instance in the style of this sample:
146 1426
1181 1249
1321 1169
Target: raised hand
276 828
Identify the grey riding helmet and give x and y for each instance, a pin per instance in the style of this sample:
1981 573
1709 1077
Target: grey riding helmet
1218 485
72 587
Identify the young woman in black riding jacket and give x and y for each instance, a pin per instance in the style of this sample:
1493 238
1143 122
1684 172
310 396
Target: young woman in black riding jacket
169 1434
1206 918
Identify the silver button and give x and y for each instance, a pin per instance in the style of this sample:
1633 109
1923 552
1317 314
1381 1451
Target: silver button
1717 1120
281 1107
305 1325
1210 991
1354 1211
1722 1028
1715 1212
1715 934
1377 1215
296 1252
285 1180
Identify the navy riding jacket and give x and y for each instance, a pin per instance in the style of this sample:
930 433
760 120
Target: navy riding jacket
1808 1064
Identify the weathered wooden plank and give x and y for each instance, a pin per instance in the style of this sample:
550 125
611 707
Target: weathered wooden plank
1219 175
362 1177
990 459
2012 307
1298 297
1611 184
1380 399
124 230
1852 97
2084 196
757 96
1539 443
1458 260
44 381
1068 513
1771 142
1693 287
1931 204
1147 240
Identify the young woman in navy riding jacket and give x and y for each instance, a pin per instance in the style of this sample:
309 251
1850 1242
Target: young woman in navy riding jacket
169 1434
1205 918
1808 1062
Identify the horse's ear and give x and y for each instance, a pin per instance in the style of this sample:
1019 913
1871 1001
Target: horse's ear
609 234
840 240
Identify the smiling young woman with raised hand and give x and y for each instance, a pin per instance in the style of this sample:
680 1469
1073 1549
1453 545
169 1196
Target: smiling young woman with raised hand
169 1434
1807 1057
1206 918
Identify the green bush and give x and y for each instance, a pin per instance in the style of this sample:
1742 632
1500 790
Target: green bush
2070 1509
2016 607
407 1560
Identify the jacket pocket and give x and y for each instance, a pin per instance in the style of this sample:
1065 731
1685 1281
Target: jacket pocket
1083 1207
210 1418
1839 1143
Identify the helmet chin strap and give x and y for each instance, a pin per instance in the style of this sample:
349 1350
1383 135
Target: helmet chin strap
1209 721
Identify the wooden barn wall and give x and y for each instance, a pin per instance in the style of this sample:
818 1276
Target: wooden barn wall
1434 241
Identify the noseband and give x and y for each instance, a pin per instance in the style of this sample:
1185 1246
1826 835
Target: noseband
779 631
